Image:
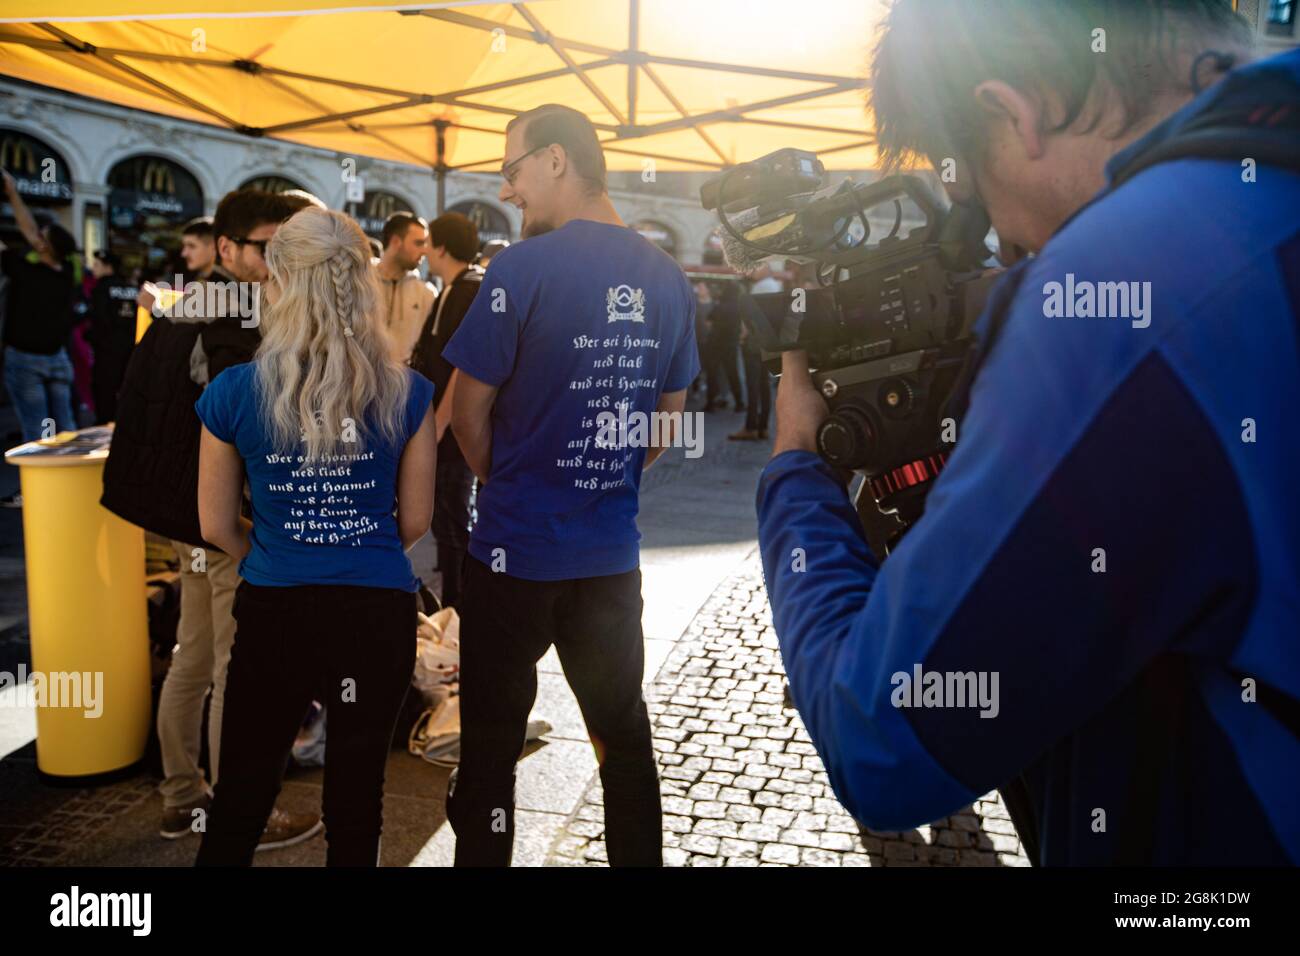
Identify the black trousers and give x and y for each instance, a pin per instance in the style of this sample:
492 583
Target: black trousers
507 624
724 370
105 381
453 519
758 386
357 643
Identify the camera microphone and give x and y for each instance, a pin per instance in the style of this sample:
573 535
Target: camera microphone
741 257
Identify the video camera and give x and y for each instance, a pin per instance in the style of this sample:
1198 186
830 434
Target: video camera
887 330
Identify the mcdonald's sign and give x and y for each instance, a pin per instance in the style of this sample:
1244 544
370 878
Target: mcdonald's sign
40 173
490 221
377 207
158 178
152 186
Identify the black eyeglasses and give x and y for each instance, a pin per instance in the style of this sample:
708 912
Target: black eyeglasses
260 243
510 171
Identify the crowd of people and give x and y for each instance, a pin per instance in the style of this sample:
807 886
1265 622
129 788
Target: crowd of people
731 359
293 452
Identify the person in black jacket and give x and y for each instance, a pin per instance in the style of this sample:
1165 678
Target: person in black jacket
151 479
453 242
112 331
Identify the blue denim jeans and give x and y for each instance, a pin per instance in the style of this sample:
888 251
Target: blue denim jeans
40 386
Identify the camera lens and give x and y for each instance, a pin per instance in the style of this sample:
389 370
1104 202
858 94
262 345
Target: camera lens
847 439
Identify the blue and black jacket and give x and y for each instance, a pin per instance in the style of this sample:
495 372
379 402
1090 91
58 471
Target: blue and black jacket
1161 691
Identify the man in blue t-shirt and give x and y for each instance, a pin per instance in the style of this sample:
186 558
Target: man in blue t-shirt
574 362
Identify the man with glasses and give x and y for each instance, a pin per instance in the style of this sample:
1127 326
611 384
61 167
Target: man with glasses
583 316
151 479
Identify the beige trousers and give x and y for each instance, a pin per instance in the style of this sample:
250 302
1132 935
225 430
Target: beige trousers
203 643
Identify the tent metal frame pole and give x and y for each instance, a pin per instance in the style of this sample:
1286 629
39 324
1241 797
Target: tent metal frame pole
568 61
519 33
440 166
633 39
480 23
846 146
347 115
778 74
809 127
677 105
732 114
707 164
89 49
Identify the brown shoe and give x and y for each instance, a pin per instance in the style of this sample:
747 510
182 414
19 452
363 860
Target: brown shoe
743 435
285 829
178 822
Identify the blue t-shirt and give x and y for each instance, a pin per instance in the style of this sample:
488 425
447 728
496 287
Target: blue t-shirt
578 321
330 523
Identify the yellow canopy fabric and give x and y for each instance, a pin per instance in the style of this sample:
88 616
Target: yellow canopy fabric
693 84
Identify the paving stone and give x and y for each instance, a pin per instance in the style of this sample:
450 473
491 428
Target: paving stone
717 828
680 773
780 853
813 857
704 791
841 842
800 838
742 813
739 848
678 805
700 843
809 821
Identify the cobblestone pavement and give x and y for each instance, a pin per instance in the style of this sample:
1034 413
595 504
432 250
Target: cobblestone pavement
77 820
742 784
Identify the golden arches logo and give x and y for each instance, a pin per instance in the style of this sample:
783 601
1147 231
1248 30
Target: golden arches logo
158 178
382 205
16 154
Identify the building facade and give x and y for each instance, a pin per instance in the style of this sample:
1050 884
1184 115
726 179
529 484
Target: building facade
128 179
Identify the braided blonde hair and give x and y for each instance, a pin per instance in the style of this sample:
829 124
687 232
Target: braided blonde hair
325 376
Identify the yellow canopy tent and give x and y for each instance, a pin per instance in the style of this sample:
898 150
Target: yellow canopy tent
691 84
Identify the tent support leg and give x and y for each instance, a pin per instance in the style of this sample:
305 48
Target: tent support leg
440 169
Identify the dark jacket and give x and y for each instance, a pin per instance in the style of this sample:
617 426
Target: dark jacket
112 319
151 477
443 321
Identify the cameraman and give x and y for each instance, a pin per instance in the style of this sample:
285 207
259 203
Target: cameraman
1116 537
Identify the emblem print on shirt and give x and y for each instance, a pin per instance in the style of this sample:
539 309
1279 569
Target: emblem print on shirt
625 304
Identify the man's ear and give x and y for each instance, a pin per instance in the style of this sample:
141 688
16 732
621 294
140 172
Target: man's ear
224 248
1023 114
559 159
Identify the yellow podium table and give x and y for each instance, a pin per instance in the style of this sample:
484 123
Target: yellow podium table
86 608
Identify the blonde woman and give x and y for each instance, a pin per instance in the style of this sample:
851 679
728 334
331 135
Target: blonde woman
336 441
